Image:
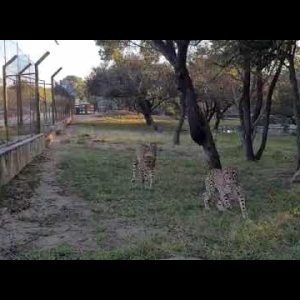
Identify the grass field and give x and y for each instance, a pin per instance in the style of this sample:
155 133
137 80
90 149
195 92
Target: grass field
133 223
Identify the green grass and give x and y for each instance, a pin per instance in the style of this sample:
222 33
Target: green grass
171 216
231 122
142 250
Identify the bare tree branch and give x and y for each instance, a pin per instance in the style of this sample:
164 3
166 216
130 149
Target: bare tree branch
167 49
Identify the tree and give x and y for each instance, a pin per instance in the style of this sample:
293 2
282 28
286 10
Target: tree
76 85
182 107
176 52
143 86
213 87
283 97
259 64
290 55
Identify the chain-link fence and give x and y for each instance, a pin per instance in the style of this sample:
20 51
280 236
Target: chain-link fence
21 114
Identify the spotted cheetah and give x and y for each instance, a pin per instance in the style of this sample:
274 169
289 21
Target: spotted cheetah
144 162
226 184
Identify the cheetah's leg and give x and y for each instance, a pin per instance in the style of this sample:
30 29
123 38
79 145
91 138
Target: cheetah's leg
222 201
134 171
143 176
208 194
226 201
227 192
151 178
220 205
242 202
206 198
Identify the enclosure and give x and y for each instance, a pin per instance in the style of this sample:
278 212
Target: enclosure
66 170
29 107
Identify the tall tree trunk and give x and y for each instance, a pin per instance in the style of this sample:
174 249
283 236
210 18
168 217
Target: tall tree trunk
217 123
210 109
176 137
259 102
199 127
220 114
145 108
296 103
259 94
241 128
246 109
149 120
268 112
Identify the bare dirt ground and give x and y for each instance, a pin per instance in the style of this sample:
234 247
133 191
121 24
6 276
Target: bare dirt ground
36 213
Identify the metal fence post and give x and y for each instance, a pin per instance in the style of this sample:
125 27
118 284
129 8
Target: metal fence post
46 116
37 92
19 96
5 94
54 113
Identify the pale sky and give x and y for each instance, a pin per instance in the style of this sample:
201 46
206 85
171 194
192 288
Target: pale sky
76 57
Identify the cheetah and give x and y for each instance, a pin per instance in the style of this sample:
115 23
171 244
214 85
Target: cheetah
144 162
226 183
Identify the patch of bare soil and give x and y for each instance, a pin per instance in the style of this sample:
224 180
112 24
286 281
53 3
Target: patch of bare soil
37 213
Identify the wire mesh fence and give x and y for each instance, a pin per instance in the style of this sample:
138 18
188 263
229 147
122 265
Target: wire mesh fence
27 106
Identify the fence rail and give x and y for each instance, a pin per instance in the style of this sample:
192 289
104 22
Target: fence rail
23 112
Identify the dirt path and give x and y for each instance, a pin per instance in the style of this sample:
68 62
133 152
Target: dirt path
36 213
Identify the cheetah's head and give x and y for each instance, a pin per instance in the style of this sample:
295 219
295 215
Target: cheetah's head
230 174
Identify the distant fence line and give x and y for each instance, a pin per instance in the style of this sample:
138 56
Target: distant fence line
28 104
274 129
